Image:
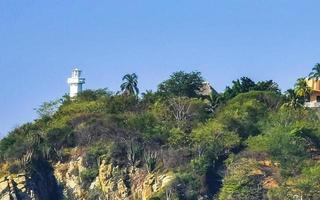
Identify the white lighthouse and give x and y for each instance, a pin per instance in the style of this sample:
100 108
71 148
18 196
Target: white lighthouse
75 82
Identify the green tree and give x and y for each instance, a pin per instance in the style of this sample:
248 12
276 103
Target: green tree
315 74
130 84
293 100
93 95
182 84
48 109
269 85
242 85
301 88
245 84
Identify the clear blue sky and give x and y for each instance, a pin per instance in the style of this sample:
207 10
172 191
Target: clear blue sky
42 40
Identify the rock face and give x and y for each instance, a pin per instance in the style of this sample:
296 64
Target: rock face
129 183
112 182
15 188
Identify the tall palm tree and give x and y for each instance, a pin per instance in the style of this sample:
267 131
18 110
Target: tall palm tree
315 74
301 88
130 84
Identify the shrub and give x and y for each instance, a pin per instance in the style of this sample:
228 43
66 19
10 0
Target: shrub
150 159
88 175
185 186
241 182
95 153
119 154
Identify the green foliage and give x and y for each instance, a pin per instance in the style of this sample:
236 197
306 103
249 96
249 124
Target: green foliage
301 88
81 107
60 137
186 186
119 104
149 98
118 153
93 95
242 85
88 175
176 129
241 183
181 111
147 126
293 100
95 153
309 182
48 109
182 84
17 142
245 84
244 113
179 138
201 164
289 150
287 136
304 186
210 141
269 85
130 84
315 74
150 159
134 152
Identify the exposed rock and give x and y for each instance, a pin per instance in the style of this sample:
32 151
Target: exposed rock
68 175
115 183
270 171
112 183
152 184
270 183
15 187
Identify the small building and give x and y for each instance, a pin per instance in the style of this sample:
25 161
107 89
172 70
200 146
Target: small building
314 98
75 82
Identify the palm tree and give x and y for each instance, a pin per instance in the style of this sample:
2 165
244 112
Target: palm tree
292 100
315 74
130 84
301 88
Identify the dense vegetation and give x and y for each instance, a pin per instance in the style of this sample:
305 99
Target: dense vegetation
249 142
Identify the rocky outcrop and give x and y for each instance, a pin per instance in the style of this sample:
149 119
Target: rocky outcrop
114 183
15 188
129 183
154 183
68 175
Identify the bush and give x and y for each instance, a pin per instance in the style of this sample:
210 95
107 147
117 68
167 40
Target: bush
185 186
96 153
182 84
88 175
119 154
150 159
241 182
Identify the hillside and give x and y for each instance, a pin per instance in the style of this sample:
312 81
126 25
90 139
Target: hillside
249 142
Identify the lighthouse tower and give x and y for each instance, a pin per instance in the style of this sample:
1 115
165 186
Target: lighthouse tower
75 82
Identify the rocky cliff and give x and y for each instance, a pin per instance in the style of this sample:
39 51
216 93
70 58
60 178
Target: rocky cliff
112 183
15 187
